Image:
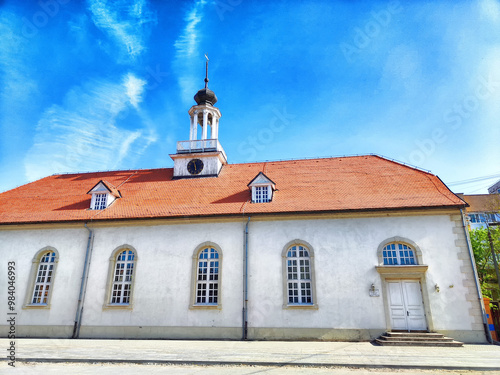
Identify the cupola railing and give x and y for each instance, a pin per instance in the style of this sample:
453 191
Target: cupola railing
200 145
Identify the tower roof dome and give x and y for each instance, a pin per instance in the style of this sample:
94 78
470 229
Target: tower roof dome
205 96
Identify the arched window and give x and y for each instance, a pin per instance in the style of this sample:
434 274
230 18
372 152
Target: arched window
122 268
42 278
122 278
398 254
207 277
43 282
299 275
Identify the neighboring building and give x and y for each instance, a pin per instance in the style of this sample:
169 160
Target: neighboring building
483 209
494 189
330 249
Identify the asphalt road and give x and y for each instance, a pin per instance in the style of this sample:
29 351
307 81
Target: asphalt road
133 369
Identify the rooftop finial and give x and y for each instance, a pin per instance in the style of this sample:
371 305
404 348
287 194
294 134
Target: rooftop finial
205 96
206 71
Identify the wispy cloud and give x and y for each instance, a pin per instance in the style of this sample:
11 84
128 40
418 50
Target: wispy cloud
490 9
125 22
18 88
186 47
135 88
88 131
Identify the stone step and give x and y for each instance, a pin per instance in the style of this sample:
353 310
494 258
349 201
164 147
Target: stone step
403 338
419 343
416 339
414 334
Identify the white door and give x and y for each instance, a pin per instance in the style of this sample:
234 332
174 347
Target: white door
406 305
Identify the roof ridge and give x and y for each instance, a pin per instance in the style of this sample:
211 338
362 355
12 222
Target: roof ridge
404 164
103 171
265 162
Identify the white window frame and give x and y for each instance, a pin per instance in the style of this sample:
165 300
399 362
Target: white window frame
399 254
417 253
259 198
121 280
212 263
43 271
207 277
261 193
302 276
121 288
100 201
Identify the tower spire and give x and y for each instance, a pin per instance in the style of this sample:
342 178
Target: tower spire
205 95
206 71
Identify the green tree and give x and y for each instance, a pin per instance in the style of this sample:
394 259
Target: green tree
483 257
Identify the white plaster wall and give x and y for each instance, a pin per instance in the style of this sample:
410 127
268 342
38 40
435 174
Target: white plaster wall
163 278
21 246
345 258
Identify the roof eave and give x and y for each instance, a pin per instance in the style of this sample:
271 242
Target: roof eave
273 213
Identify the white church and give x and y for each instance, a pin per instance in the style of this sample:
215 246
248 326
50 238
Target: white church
340 248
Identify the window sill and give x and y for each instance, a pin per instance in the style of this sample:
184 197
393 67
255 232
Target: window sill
313 306
39 306
205 307
118 307
398 269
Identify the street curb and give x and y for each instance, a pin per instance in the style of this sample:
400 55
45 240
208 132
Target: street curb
262 364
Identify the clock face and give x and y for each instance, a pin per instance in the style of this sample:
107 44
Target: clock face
195 166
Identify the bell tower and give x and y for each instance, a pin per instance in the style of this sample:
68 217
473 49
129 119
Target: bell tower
202 155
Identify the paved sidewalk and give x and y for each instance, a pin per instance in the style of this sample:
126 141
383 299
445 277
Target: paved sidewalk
265 353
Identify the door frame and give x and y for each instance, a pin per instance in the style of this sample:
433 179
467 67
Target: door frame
403 292
413 272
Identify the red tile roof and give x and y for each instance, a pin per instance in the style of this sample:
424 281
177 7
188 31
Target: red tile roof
313 185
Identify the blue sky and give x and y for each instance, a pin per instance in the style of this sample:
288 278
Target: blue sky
103 85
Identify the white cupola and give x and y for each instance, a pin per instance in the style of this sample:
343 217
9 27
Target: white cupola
202 155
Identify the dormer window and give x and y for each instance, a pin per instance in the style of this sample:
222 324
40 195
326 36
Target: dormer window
100 201
262 189
262 194
103 194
